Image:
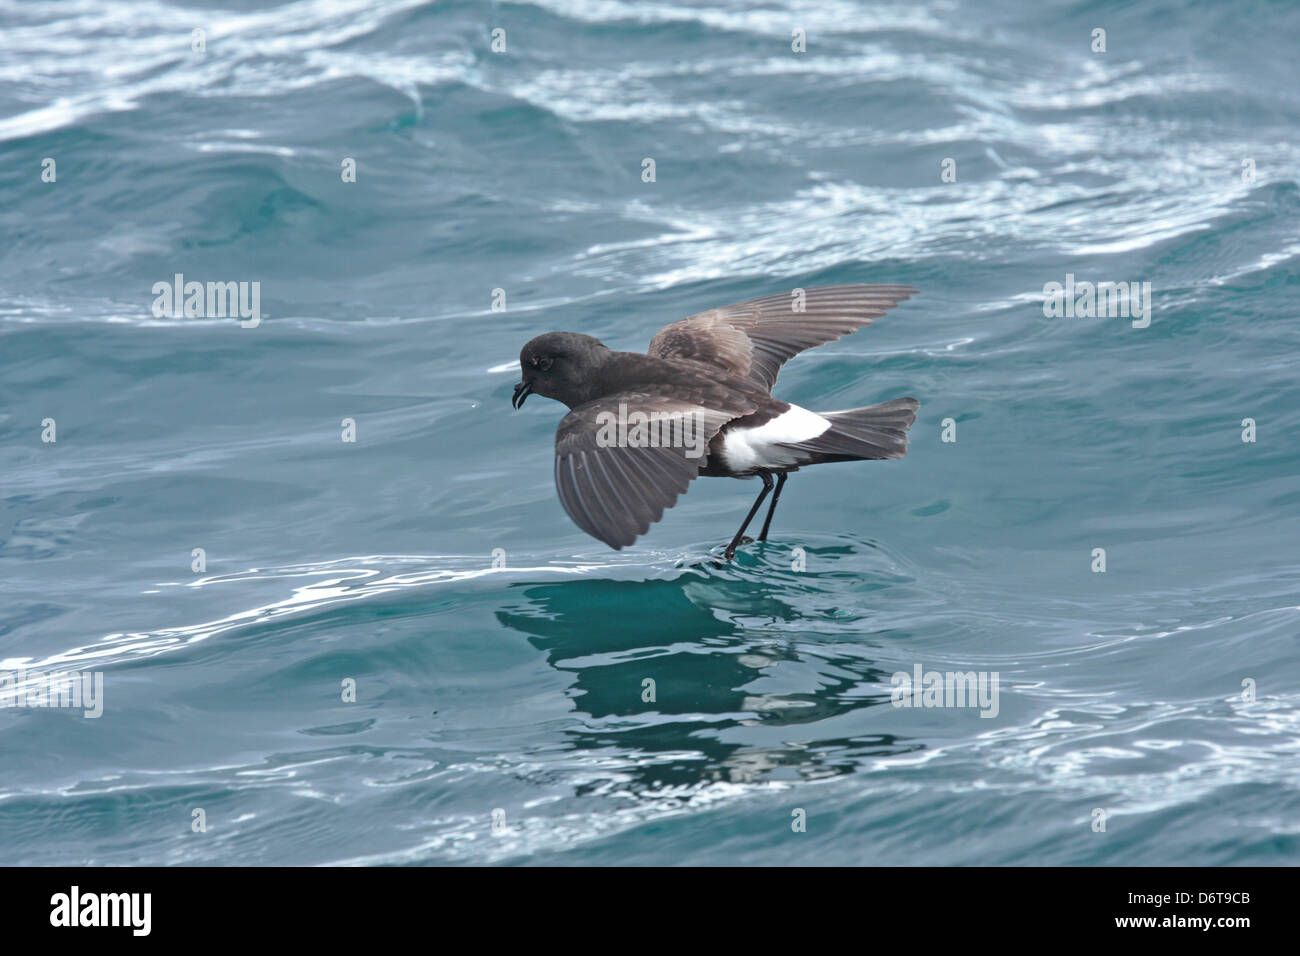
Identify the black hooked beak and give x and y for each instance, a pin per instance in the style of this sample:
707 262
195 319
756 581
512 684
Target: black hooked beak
522 391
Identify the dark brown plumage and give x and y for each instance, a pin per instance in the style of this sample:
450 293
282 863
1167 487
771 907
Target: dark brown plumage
712 375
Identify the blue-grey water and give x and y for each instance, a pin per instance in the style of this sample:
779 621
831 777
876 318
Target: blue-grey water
500 712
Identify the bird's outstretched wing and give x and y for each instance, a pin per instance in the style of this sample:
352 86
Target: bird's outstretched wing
754 339
622 459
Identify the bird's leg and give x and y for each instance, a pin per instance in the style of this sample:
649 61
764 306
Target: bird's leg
771 509
735 542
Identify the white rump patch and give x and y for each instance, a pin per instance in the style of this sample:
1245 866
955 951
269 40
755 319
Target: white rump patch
754 449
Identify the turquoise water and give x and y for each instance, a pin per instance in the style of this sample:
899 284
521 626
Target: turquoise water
499 713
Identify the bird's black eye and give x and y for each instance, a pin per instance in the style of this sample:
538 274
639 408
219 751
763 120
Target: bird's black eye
544 364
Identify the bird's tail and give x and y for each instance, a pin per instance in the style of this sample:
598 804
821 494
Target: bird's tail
877 431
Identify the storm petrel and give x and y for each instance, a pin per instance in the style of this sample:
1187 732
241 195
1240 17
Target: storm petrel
642 427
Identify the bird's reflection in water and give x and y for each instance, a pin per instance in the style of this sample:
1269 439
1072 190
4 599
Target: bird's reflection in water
710 719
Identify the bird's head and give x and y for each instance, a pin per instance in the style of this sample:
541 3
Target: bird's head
560 365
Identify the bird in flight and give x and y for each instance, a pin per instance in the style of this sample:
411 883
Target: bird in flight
641 428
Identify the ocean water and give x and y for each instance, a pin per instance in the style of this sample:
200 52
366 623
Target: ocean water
1146 714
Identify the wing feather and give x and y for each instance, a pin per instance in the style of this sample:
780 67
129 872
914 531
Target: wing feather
755 338
614 490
